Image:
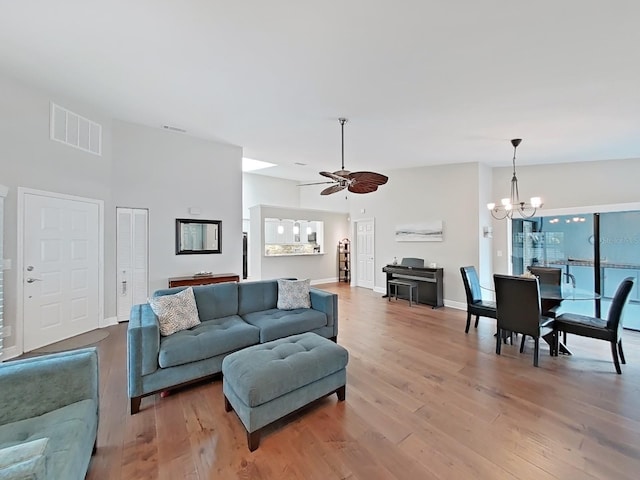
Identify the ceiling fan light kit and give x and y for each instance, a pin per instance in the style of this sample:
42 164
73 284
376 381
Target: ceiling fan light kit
354 182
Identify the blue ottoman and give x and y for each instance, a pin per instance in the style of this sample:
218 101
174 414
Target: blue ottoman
265 382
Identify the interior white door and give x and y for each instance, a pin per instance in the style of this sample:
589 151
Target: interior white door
61 262
132 259
365 244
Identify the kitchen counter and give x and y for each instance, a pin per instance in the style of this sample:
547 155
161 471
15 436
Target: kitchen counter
292 254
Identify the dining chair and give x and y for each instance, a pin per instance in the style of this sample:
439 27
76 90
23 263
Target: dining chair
518 307
475 304
548 276
609 330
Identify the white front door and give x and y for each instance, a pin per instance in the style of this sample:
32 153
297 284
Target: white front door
365 249
61 268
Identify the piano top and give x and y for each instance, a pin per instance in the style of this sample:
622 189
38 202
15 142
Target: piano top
404 268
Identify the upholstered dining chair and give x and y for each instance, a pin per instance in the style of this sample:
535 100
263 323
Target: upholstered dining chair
475 304
609 330
518 307
548 276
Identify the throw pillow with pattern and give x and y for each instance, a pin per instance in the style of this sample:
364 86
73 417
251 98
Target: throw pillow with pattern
293 294
175 312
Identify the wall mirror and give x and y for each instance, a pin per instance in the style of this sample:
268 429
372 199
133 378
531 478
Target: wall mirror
198 236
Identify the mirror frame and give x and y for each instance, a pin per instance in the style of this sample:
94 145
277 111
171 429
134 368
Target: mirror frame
184 221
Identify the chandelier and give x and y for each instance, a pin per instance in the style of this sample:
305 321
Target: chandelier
509 205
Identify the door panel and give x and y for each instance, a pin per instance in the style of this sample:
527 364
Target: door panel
61 269
132 259
365 253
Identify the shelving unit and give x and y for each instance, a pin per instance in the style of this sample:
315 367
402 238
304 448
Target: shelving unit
344 260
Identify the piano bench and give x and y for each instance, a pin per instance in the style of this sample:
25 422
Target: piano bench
411 286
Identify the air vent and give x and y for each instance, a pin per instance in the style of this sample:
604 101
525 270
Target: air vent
300 164
74 130
174 129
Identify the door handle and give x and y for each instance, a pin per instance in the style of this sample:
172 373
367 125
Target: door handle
31 280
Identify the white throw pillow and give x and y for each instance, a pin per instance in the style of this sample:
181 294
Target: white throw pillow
175 312
24 460
293 294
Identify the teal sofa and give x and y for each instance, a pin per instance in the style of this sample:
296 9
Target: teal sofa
49 415
233 316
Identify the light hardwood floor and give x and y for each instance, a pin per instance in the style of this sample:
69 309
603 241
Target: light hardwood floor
424 401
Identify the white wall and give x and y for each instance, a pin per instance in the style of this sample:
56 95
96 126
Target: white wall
485 245
449 193
336 202
168 173
264 190
28 158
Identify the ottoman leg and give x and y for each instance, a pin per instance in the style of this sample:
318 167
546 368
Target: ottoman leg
341 392
227 405
253 440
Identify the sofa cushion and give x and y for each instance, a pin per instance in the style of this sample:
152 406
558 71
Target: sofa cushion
293 294
257 296
175 312
216 301
275 323
209 339
71 431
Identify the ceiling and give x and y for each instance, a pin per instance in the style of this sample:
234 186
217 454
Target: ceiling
422 82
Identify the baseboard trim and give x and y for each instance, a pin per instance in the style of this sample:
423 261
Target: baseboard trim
320 281
10 352
107 322
456 305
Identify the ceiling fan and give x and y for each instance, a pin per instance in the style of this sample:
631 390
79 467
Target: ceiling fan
355 182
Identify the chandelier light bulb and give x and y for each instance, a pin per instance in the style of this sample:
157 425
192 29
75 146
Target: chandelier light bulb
505 202
536 202
491 206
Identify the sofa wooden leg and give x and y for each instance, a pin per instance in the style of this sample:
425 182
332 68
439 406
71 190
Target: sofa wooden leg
342 393
227 405
95 447
135 405
253 440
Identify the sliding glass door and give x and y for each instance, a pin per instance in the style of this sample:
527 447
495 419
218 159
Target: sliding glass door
596 251
620 258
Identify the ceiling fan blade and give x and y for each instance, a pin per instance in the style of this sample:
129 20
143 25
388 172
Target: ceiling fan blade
333 176
333 189
369 177
314 183
357 187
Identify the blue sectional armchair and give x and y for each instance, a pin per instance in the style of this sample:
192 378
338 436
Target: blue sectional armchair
49 415
233 316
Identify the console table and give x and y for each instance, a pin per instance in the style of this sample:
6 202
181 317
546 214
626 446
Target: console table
202 279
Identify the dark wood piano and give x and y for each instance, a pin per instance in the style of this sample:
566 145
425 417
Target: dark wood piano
430 279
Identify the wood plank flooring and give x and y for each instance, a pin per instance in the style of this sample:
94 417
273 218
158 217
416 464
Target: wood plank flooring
424 401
